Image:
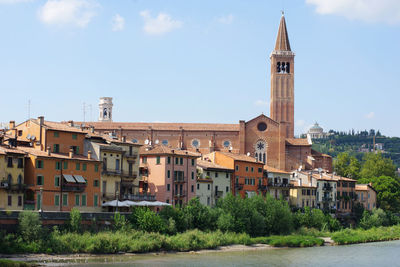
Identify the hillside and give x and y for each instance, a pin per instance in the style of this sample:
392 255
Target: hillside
358 143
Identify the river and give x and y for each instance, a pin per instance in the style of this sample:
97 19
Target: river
371 254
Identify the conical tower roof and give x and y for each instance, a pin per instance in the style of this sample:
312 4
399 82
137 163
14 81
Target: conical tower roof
282 40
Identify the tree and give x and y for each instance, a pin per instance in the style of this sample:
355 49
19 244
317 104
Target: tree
75 220
347 166
29 225
388 192
376 165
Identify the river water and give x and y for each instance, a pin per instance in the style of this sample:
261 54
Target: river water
371 254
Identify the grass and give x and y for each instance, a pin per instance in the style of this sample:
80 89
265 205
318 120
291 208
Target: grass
354 236
10 263
294 241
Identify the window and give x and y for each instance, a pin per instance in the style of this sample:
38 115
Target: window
226 175
216 174
368 196
167 201
56 134
169 160
247 168
195 143
168 174
95 200
77 198
9 162
192 188
75 149
19 132
96 183
39 180
19 179
144 160
84 166
96 168
198 186
56 200
158 160
56 148
176 161
208 187
39 164
84 200
208 200
237 167
226 143
57 181
117 165
58 165
19 201
20 162
192 162
252 169
262 126
168 187
78 166
227 189
9 200
65 200
74 136
192 175
164 142
181 161
65 165
9 179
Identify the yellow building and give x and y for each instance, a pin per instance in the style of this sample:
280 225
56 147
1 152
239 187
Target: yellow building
12 187
303 192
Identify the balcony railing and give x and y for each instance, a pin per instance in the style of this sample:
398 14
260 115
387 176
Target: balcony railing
272 184
326 199
180 193
327 187
179 180
218 194
238 186
17 187
262 187
73 187
131 156
139 197
111 172
129 175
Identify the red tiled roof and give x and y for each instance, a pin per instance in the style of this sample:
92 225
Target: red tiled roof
6 150
165 150
39 153
205 164
297 142
271 169
240 157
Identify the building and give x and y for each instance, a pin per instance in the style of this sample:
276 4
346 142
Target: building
269 139
366 195
105 108
12 184
304 191
279 183
316 132
248 176
58 175
169 174
120 165
346 194
213 182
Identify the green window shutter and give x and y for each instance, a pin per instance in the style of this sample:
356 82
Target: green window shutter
65 165
96 168
176 161
74 136
56 200
65 200
169 174
57 181
181 161
192 162
56 134
77 197
96 200
84 166
39 180
78 166
192 175
77 150
83 200
158 160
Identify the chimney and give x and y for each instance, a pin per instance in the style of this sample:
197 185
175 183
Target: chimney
89 154
40 120
124 139
92 129
48 151
71 123
71 152
12 125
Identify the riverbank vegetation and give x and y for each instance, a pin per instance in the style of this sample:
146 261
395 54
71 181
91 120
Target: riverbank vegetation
354 236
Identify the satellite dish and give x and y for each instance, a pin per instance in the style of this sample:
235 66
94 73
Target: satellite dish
157 141
28 136
230 148
248 154
146 141
33 138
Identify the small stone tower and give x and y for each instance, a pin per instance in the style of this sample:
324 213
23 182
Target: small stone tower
105 108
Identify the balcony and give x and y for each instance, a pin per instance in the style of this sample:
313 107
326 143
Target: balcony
180 193
111 172
272 184
139 197
4 184
327 187
17 187
238 186
179 180
326 199
132 156
218 194
132 175
262 187
70 187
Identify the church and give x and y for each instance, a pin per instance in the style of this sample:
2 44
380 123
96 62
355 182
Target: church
268 139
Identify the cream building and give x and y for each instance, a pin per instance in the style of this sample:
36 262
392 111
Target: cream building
278 183
366 195
303 192
316 132
213 182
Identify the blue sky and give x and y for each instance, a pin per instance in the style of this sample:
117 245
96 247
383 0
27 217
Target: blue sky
200 61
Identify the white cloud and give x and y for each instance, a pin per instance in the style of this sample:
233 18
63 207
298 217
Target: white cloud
159 25
118 23
300 123
387 11
228 19
14 1
261 103
370 115
68 12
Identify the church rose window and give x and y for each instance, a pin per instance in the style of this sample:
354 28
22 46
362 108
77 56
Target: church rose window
227 143
134 141
195 143
164 142
262 126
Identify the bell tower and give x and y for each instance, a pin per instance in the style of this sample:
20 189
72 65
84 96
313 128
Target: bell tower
105 109
282 80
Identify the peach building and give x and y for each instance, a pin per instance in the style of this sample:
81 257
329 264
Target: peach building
168 174
248 176
366 195
278 183
346 194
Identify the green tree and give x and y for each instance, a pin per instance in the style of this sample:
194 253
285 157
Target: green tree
388 192
29 225
75 220
375 165
198 215
347 166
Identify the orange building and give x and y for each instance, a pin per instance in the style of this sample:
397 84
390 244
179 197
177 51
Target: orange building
346 194
248 177
58 175
366 195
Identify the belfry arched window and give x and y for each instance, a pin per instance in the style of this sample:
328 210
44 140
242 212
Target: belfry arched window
260 148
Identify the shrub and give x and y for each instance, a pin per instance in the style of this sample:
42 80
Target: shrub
29 225
119 222
75 220
149 221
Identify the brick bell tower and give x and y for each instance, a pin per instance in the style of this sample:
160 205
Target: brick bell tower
282 80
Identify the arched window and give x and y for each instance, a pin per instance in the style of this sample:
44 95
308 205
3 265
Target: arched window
287 67
20 179
278 67
9 179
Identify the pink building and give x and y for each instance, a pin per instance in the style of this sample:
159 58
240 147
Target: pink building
169 174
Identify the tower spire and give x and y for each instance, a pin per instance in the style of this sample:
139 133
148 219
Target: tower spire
282 40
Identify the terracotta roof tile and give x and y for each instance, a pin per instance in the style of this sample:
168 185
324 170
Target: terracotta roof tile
165 150
205 164
271 169
39 153
297 142
6 150
240 157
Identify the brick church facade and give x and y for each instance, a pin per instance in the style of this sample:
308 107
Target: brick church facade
268 139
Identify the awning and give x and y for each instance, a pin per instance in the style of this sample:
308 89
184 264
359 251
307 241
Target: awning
69 178
146 203
115 203
80 179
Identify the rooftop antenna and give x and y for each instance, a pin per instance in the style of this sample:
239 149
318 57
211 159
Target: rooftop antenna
91 114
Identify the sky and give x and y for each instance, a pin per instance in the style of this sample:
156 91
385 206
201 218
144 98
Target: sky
200 61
